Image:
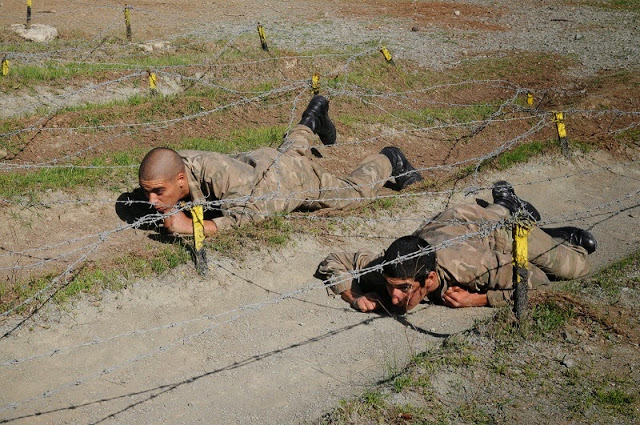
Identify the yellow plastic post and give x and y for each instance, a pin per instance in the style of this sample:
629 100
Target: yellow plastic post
198 240
562 133
127 21
263 38
5 67
315 83
521 231
28 14
152 83
530 99
386 54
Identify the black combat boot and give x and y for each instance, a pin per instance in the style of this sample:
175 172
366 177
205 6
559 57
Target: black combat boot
403 172
575 236
503 194
316 117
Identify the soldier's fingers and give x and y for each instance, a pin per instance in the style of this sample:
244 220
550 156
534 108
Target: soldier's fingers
451 301
370 305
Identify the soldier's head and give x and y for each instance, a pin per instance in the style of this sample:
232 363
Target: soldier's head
412 278
163 178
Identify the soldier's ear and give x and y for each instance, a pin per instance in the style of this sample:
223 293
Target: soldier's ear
431 281
182 181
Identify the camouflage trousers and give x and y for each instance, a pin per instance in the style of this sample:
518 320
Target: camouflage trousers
287 179
548 257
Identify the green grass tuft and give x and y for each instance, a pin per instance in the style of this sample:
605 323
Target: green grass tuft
238 141
113 276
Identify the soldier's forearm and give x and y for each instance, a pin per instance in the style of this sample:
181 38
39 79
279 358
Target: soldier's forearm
210 228
347 296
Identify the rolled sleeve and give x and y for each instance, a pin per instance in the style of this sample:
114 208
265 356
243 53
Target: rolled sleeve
339 268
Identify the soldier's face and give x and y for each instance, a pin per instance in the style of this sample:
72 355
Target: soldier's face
165 194
405 292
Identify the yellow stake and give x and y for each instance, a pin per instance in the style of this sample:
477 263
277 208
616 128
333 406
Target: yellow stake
197 217
386 54
520 250
152 80
520 246
127 21
315 83
529 99
263 37
198 226
5 67
28 14
559 120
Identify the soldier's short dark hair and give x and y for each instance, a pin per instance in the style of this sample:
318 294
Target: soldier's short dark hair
160 164
418 267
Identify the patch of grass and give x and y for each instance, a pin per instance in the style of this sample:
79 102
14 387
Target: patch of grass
545 317
622 273
616 399
383 204
423 117
401 382
374 399
113 276
28 185
521 154
273 232
630 136
511 67
239 140
49 71
473 413
549 316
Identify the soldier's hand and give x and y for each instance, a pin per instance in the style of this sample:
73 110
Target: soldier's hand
365 303
458 297
179 223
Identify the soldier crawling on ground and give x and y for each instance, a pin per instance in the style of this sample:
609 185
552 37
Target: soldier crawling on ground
474 270
251 186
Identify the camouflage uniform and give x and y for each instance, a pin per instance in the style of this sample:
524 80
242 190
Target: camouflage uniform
477 263
251 186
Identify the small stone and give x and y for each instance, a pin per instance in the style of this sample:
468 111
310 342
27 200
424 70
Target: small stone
568 338
579 37
432 330
145 47
3 153
415 29
580 332
456 12
568 362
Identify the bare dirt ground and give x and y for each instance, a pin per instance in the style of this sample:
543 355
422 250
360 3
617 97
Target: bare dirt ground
230 348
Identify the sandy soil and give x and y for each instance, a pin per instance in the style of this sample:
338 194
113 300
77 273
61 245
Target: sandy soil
230 351
232 348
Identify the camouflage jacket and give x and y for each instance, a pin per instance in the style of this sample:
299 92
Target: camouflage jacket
473 252
213 177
